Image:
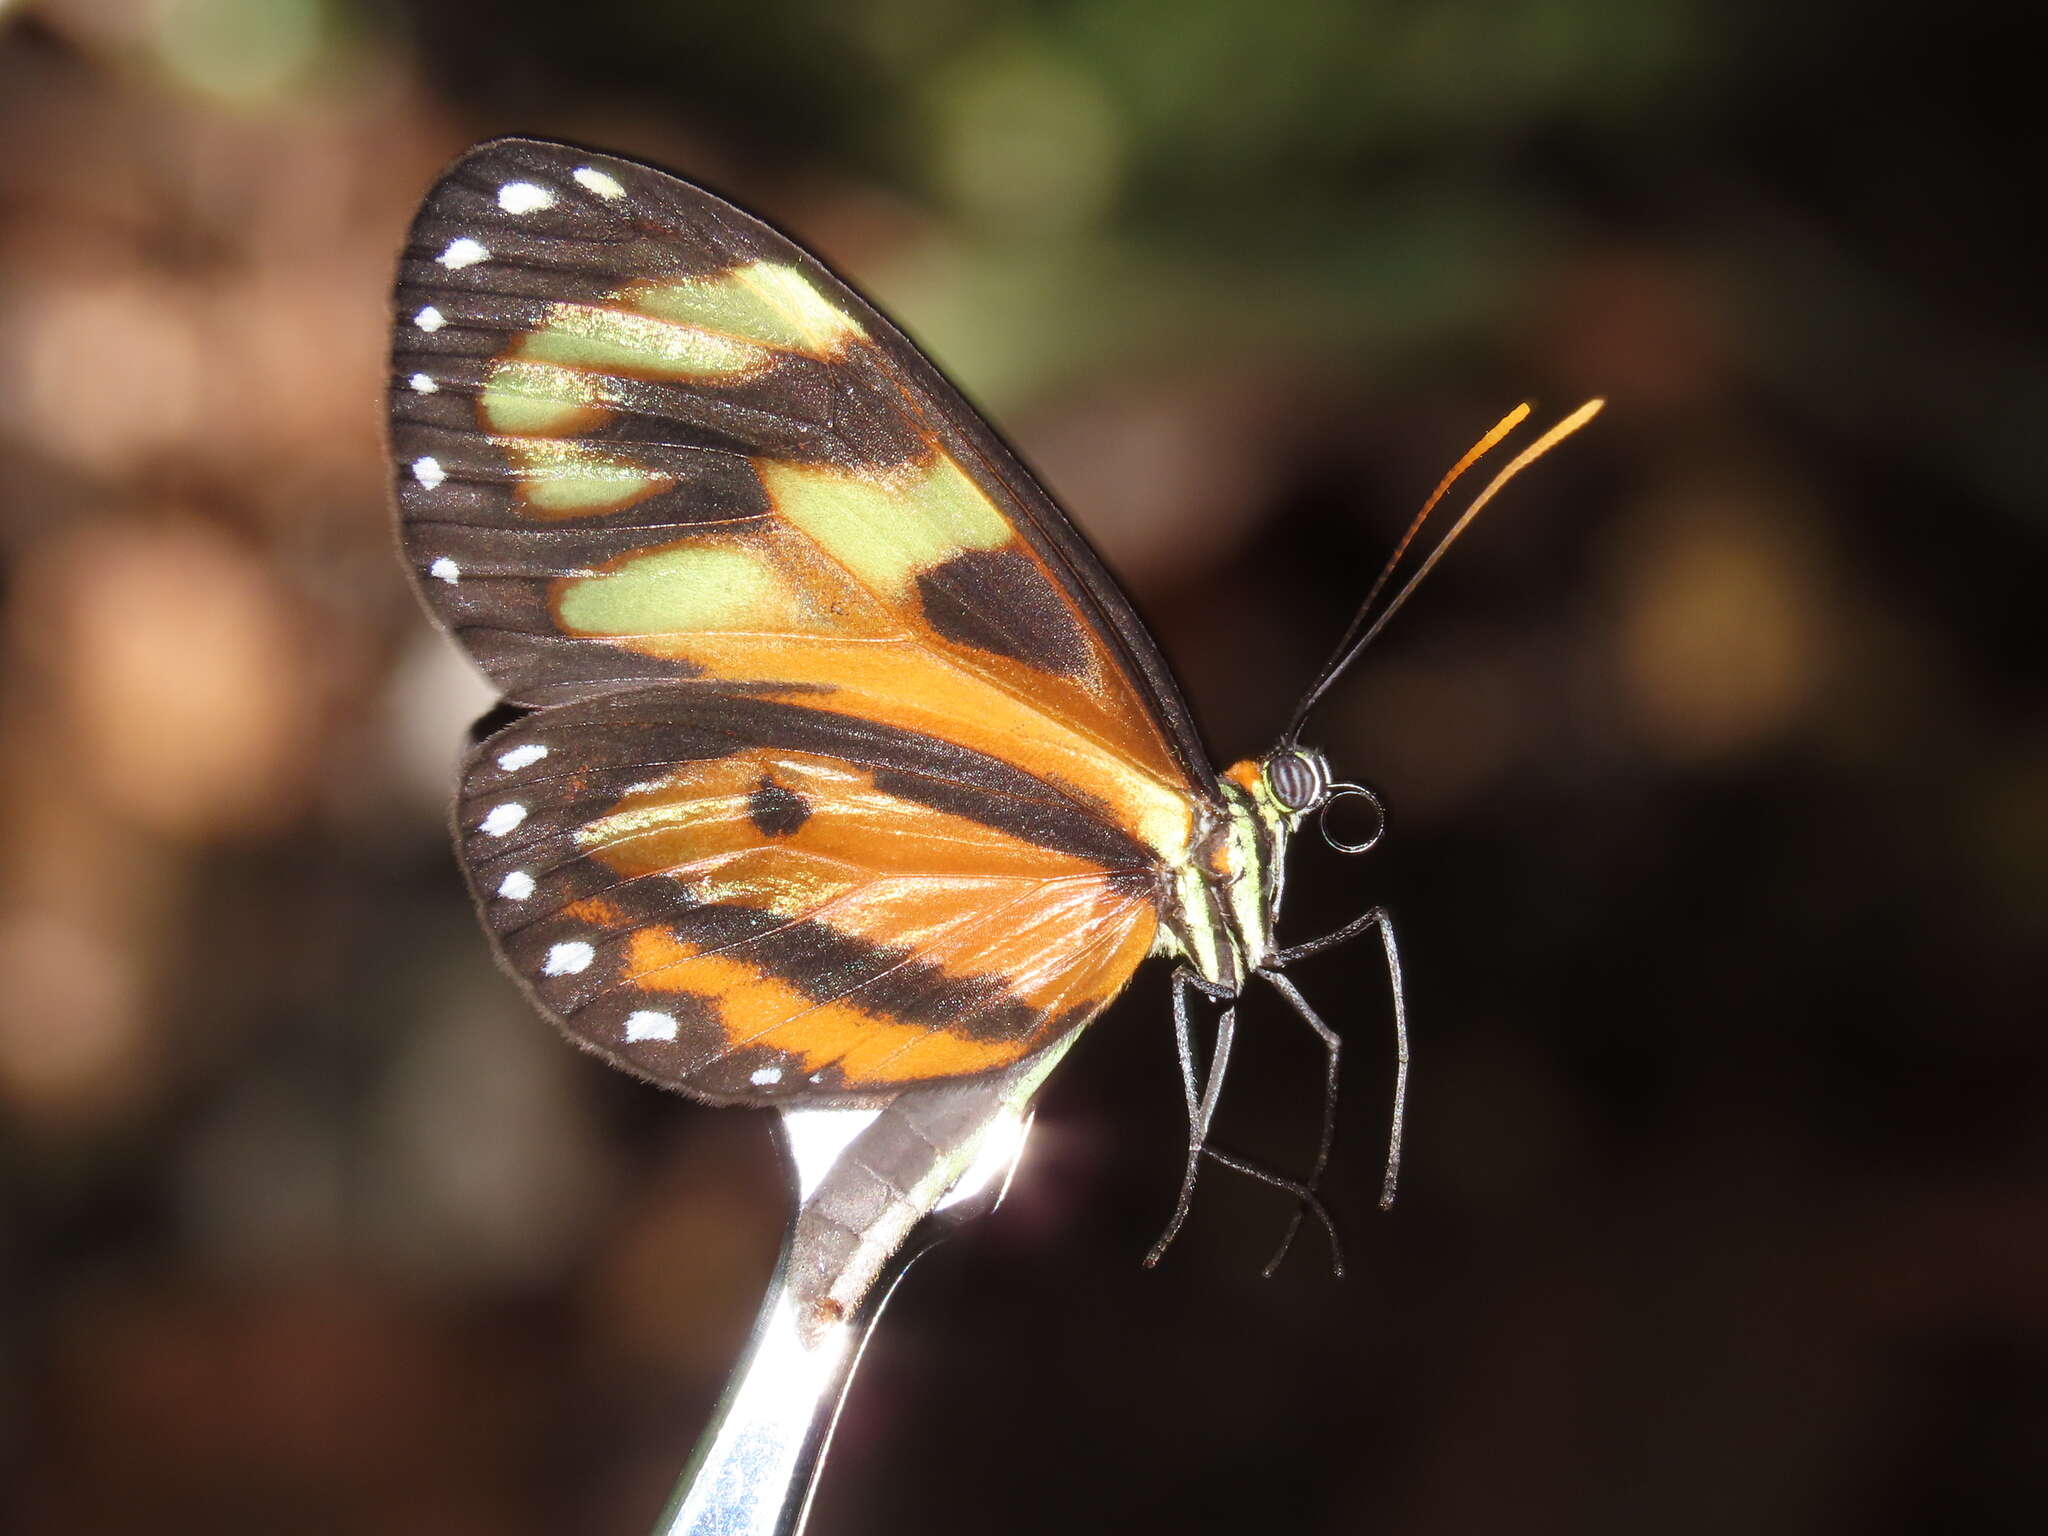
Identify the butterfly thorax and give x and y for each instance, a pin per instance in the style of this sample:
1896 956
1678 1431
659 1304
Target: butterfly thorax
1226 896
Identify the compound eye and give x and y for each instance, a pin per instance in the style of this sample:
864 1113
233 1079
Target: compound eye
1297 780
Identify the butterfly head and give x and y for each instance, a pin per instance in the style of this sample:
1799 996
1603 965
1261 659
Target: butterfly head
1231 896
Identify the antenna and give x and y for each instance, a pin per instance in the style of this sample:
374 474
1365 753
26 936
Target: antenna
1349 650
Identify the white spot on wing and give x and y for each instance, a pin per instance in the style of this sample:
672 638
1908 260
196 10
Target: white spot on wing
766 1077
524 197
596 181
648 1025
516 886
430 319
446 570
462 253
428 472
422 385
522 757
503 818
567 959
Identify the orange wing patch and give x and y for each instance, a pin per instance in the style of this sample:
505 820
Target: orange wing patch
1098 941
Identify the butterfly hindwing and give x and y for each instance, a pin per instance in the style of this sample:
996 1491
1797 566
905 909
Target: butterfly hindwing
754 900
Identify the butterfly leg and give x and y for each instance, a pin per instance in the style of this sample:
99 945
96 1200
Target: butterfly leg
1184 982
1200 1111
1305 1198
1333 1046
1376 918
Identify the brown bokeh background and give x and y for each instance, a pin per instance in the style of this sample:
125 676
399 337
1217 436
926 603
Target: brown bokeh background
1717 756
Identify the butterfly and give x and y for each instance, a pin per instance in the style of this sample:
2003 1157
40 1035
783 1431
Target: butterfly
840 766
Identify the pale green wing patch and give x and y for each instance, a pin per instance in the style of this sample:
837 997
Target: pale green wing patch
602 339
570 479
530 399
887 530
701 587
723 327
760 301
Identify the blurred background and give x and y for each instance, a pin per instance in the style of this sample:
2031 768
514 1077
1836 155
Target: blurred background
1717 757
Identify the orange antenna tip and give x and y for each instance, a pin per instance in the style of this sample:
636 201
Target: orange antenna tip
1348 649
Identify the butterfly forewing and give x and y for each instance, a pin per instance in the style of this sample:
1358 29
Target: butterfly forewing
642 436
851 767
